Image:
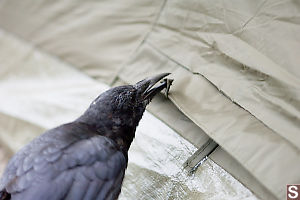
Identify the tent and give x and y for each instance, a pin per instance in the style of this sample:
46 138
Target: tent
235 66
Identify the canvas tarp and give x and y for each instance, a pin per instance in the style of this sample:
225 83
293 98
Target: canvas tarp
235 67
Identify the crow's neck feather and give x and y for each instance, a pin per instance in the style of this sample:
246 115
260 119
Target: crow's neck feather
112 127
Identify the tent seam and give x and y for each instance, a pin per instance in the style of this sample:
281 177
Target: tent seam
147 34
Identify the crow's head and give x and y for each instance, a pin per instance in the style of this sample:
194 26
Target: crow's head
123 106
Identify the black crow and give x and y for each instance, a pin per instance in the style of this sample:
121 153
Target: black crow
84 159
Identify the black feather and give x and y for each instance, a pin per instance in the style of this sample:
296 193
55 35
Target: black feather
4 195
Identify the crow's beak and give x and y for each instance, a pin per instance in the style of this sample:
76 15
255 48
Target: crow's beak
147 88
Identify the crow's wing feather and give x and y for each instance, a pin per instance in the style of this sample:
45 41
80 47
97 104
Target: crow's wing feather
69 162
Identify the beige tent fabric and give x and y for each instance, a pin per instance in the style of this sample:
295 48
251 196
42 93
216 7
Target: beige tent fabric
235 65
244 73
263 84
89 35
39 92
